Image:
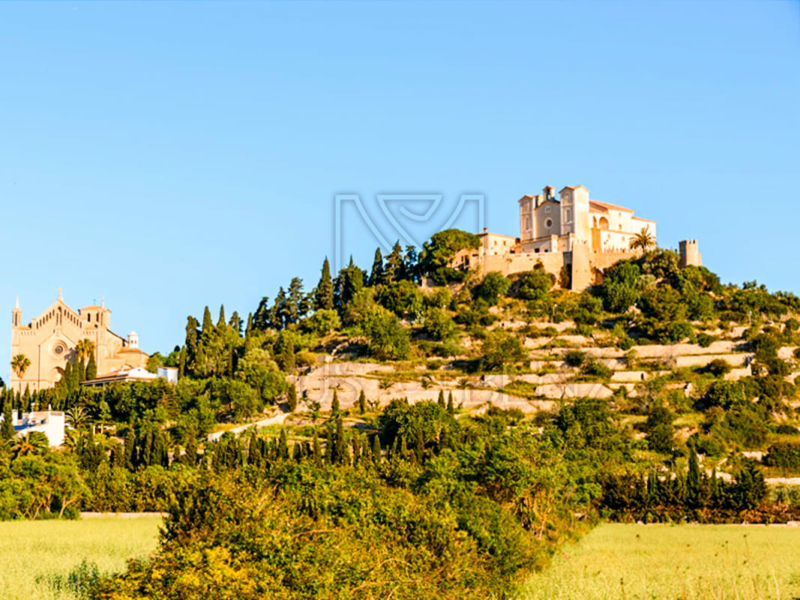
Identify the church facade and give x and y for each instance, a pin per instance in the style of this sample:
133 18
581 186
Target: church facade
572 236
51 340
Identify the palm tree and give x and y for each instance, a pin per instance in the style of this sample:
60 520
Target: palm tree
20 364
644 240
76 417
84 349
35 442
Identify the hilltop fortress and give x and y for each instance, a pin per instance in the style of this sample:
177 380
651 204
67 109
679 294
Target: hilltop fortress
50 341
573 236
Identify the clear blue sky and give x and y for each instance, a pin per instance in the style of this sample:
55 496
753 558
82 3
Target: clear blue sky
172 155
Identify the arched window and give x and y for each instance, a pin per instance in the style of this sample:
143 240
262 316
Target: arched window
603 223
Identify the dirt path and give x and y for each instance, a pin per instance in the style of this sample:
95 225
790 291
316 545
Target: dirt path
274 420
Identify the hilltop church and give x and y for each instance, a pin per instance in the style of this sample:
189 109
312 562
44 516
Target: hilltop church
50 340
574 237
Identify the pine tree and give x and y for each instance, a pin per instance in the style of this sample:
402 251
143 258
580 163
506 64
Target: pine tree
291 398
362 403
7 430
323 294
335 403
394 271
441 399
450 408
376 275
91 368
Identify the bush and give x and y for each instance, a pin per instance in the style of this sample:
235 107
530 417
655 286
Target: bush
785 455
388 339
438 324
595 369
704 340
718 367
493 286
500 349
575 358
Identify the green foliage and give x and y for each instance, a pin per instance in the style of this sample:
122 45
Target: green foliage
436 255
500 349
402 298
493 286
534 284
438 324
388 339
785 455
660 430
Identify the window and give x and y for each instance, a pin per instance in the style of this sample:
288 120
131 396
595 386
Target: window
527 223
568 214
537 250
547 209
548 223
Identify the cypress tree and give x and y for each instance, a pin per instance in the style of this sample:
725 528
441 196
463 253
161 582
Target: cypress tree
693 480
419 449
283 445
362 403
182 363
376 449
317 450
715 489
190 455
341 444
403 448
7 431
335 404
221 320
356 444
91 368
208 324
81 368
287 356
130 449
66 378
291 398
450 408
441 399
323 294
376 275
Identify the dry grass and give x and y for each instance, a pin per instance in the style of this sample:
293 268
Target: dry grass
32 552
686 562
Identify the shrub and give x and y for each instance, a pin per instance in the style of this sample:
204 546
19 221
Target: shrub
493 286
575 358
500 349
438 324
704 340
785 455
718 367
388 339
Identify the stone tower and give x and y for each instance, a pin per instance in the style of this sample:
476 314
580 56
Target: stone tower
690 255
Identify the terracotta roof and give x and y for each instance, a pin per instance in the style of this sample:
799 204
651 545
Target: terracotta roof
643 219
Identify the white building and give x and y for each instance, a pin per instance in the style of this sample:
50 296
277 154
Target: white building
49 422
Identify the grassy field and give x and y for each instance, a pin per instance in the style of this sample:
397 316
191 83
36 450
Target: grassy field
686 562
35 554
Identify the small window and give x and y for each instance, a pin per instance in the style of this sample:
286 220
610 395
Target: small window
569 215
547 209
537 250
548 223
89 317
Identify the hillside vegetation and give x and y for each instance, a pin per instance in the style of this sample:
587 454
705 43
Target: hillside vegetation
429 432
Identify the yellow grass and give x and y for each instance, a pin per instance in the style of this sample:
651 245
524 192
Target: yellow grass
687 562
40 549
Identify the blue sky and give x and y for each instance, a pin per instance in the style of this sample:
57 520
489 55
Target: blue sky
172 155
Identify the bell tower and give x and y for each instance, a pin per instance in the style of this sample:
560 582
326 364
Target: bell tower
16 315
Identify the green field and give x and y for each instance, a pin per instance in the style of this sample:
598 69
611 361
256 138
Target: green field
686 562
35 553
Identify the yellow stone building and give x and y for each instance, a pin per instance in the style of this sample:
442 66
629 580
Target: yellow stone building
50 340
574 237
